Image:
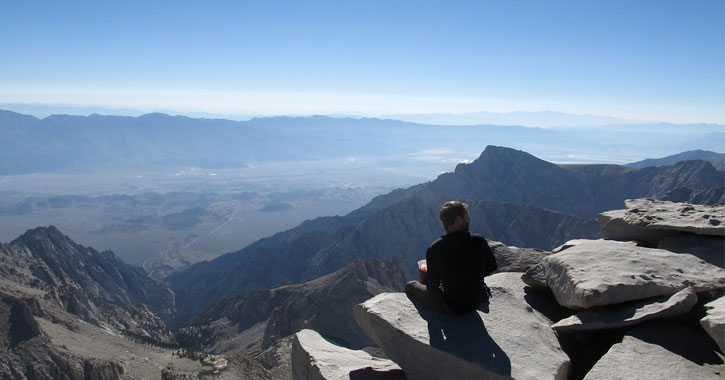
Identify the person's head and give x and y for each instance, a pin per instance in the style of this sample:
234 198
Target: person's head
454 216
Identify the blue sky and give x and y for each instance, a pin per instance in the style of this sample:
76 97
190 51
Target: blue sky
649 60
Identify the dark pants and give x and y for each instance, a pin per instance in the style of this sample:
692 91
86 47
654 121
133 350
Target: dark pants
432 298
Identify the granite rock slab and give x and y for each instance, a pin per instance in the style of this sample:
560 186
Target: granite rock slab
659 350
314 358
504 339
650 220
605 272
629 314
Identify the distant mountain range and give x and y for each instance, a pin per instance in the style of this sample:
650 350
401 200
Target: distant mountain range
525 118
89 144
716 159
543 119
514 198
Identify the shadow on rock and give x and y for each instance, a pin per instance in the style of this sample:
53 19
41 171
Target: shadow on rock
465 337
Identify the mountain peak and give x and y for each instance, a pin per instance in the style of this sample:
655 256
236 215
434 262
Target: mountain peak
49 233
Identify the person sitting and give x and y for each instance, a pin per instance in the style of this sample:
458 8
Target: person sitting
456 265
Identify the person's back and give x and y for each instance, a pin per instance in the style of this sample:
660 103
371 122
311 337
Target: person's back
456 265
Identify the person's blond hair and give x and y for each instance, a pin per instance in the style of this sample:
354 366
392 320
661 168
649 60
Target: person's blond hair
450 211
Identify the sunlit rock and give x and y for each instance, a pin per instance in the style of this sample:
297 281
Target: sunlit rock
506 338
314 358
604 272
630 313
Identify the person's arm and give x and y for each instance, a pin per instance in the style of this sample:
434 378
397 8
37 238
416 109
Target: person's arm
489 260
432 278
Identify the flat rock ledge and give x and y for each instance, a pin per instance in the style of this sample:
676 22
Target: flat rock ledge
649 220
629 314
714 322
659 351
314 358
590 273
505 339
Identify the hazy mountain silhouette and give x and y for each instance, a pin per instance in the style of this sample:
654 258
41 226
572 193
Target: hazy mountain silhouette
62 143
716 159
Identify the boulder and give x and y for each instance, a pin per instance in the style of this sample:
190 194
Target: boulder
535 277
649 220
630 313
515 259
604 272
505 339
714 322
314 358
659 351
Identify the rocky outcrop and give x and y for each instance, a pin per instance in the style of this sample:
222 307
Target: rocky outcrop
515 259
314 358
628 314
504 339
641 318
603 272
95 286
646 220
714 322
659 351
29 354
678 227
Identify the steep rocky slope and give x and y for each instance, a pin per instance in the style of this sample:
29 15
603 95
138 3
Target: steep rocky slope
95 286
29 353
515 198
256 319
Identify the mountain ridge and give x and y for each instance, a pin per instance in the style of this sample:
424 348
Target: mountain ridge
83 144
716 159
95 286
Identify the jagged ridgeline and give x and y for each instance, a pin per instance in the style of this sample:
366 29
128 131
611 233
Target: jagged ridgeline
61 302
95 286
514 198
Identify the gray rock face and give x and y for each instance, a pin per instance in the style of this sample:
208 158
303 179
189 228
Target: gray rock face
96 286
630 313
324 305
505 339
515 259
603 272
658 351
27 353
535 277
314 358
714 322
650 220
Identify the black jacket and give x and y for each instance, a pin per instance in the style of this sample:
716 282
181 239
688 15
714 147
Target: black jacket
457 263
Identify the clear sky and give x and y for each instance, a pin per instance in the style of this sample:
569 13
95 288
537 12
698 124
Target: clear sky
650 60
